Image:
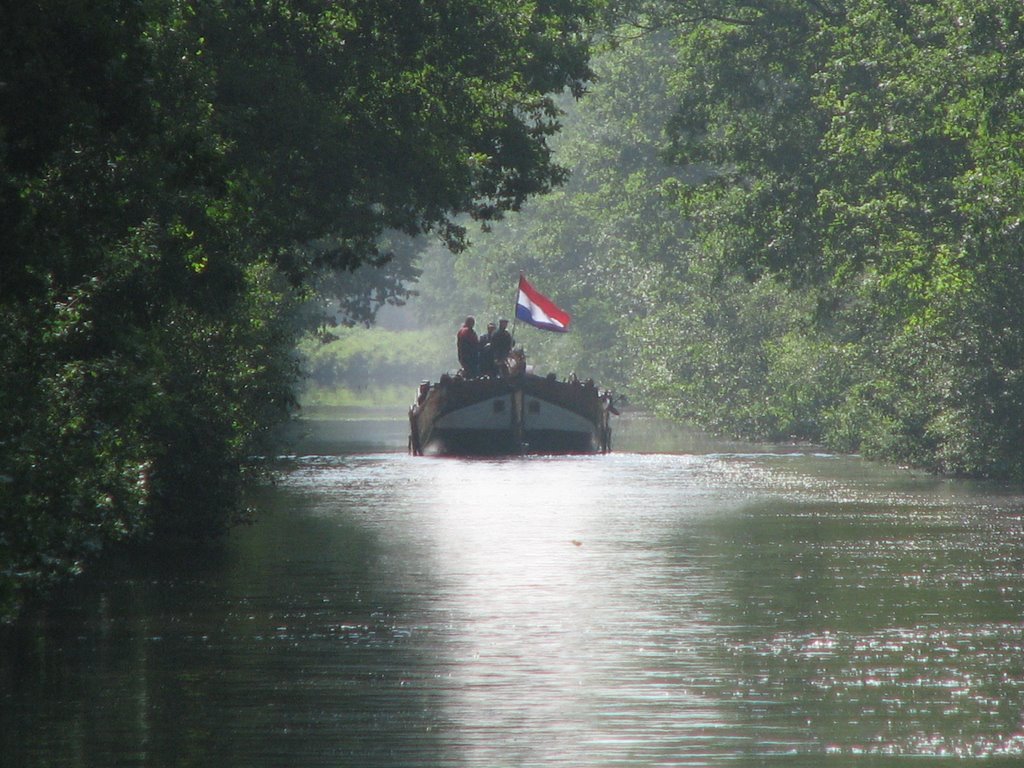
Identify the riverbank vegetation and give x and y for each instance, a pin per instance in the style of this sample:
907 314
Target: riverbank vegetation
792 219
772 219
188 187
371 366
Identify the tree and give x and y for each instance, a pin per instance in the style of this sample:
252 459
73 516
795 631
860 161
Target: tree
831 251
175 180
859 155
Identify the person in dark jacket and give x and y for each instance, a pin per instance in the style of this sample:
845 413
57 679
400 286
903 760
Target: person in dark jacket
501 346
486 354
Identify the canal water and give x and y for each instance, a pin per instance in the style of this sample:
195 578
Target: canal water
671 604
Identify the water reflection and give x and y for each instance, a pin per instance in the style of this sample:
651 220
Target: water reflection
549 580
632 609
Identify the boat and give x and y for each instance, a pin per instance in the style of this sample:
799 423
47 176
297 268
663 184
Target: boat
517 412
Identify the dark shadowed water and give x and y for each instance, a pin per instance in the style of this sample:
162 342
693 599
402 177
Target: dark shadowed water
709 607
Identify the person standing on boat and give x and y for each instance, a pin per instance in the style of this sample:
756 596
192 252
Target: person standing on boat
501 346
468 347
487 367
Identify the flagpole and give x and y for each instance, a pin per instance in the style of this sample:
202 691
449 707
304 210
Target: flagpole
515 304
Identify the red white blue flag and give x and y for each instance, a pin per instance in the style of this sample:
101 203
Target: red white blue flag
538 310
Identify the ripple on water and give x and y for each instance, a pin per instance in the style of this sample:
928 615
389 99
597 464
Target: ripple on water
630 610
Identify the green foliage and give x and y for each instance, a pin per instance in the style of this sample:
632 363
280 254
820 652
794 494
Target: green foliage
792 219
784 219
593 244
186 188
374 358
865 159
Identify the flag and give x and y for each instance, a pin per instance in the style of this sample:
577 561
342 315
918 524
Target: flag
538 310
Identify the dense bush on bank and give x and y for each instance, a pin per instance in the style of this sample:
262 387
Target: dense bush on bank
179 183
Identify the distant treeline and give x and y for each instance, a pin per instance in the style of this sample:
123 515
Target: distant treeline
805 220
188 187
373 365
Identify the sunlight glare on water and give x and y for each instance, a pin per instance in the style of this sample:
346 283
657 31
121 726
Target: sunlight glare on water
546 599
559 605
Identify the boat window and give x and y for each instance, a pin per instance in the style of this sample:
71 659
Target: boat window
499 406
